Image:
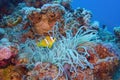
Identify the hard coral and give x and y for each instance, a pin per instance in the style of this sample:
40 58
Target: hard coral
117 32
105 62
45 20
14 23
13 73
36 3
44 71
107 37
7 56
117 35
103 52
66 4
5 53
104 70
86 74
83 16
78 18
10 21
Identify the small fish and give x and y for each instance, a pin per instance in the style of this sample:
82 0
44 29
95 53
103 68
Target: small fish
47 42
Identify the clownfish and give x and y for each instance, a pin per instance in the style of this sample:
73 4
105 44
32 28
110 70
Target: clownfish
47 42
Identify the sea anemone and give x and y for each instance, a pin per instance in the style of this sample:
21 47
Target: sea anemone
63 51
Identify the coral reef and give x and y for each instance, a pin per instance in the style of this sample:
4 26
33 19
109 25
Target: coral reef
83 16
8 53
7 7
107 37
66 4
44 20
103 60
105 64
117 31
44 71
37 3
81 50
10 21
2 33
117 35
13 73
7 56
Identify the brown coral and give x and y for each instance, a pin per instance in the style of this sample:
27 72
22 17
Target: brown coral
103 52
45 20
86 74
44 71
13 73
104 70
104 62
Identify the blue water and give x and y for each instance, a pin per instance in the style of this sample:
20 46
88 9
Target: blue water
105 11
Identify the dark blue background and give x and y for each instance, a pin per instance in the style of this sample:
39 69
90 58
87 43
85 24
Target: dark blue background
105 11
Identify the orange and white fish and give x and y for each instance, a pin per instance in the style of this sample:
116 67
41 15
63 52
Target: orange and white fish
47 42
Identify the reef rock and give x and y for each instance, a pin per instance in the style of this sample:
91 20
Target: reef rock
44 20
36 3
